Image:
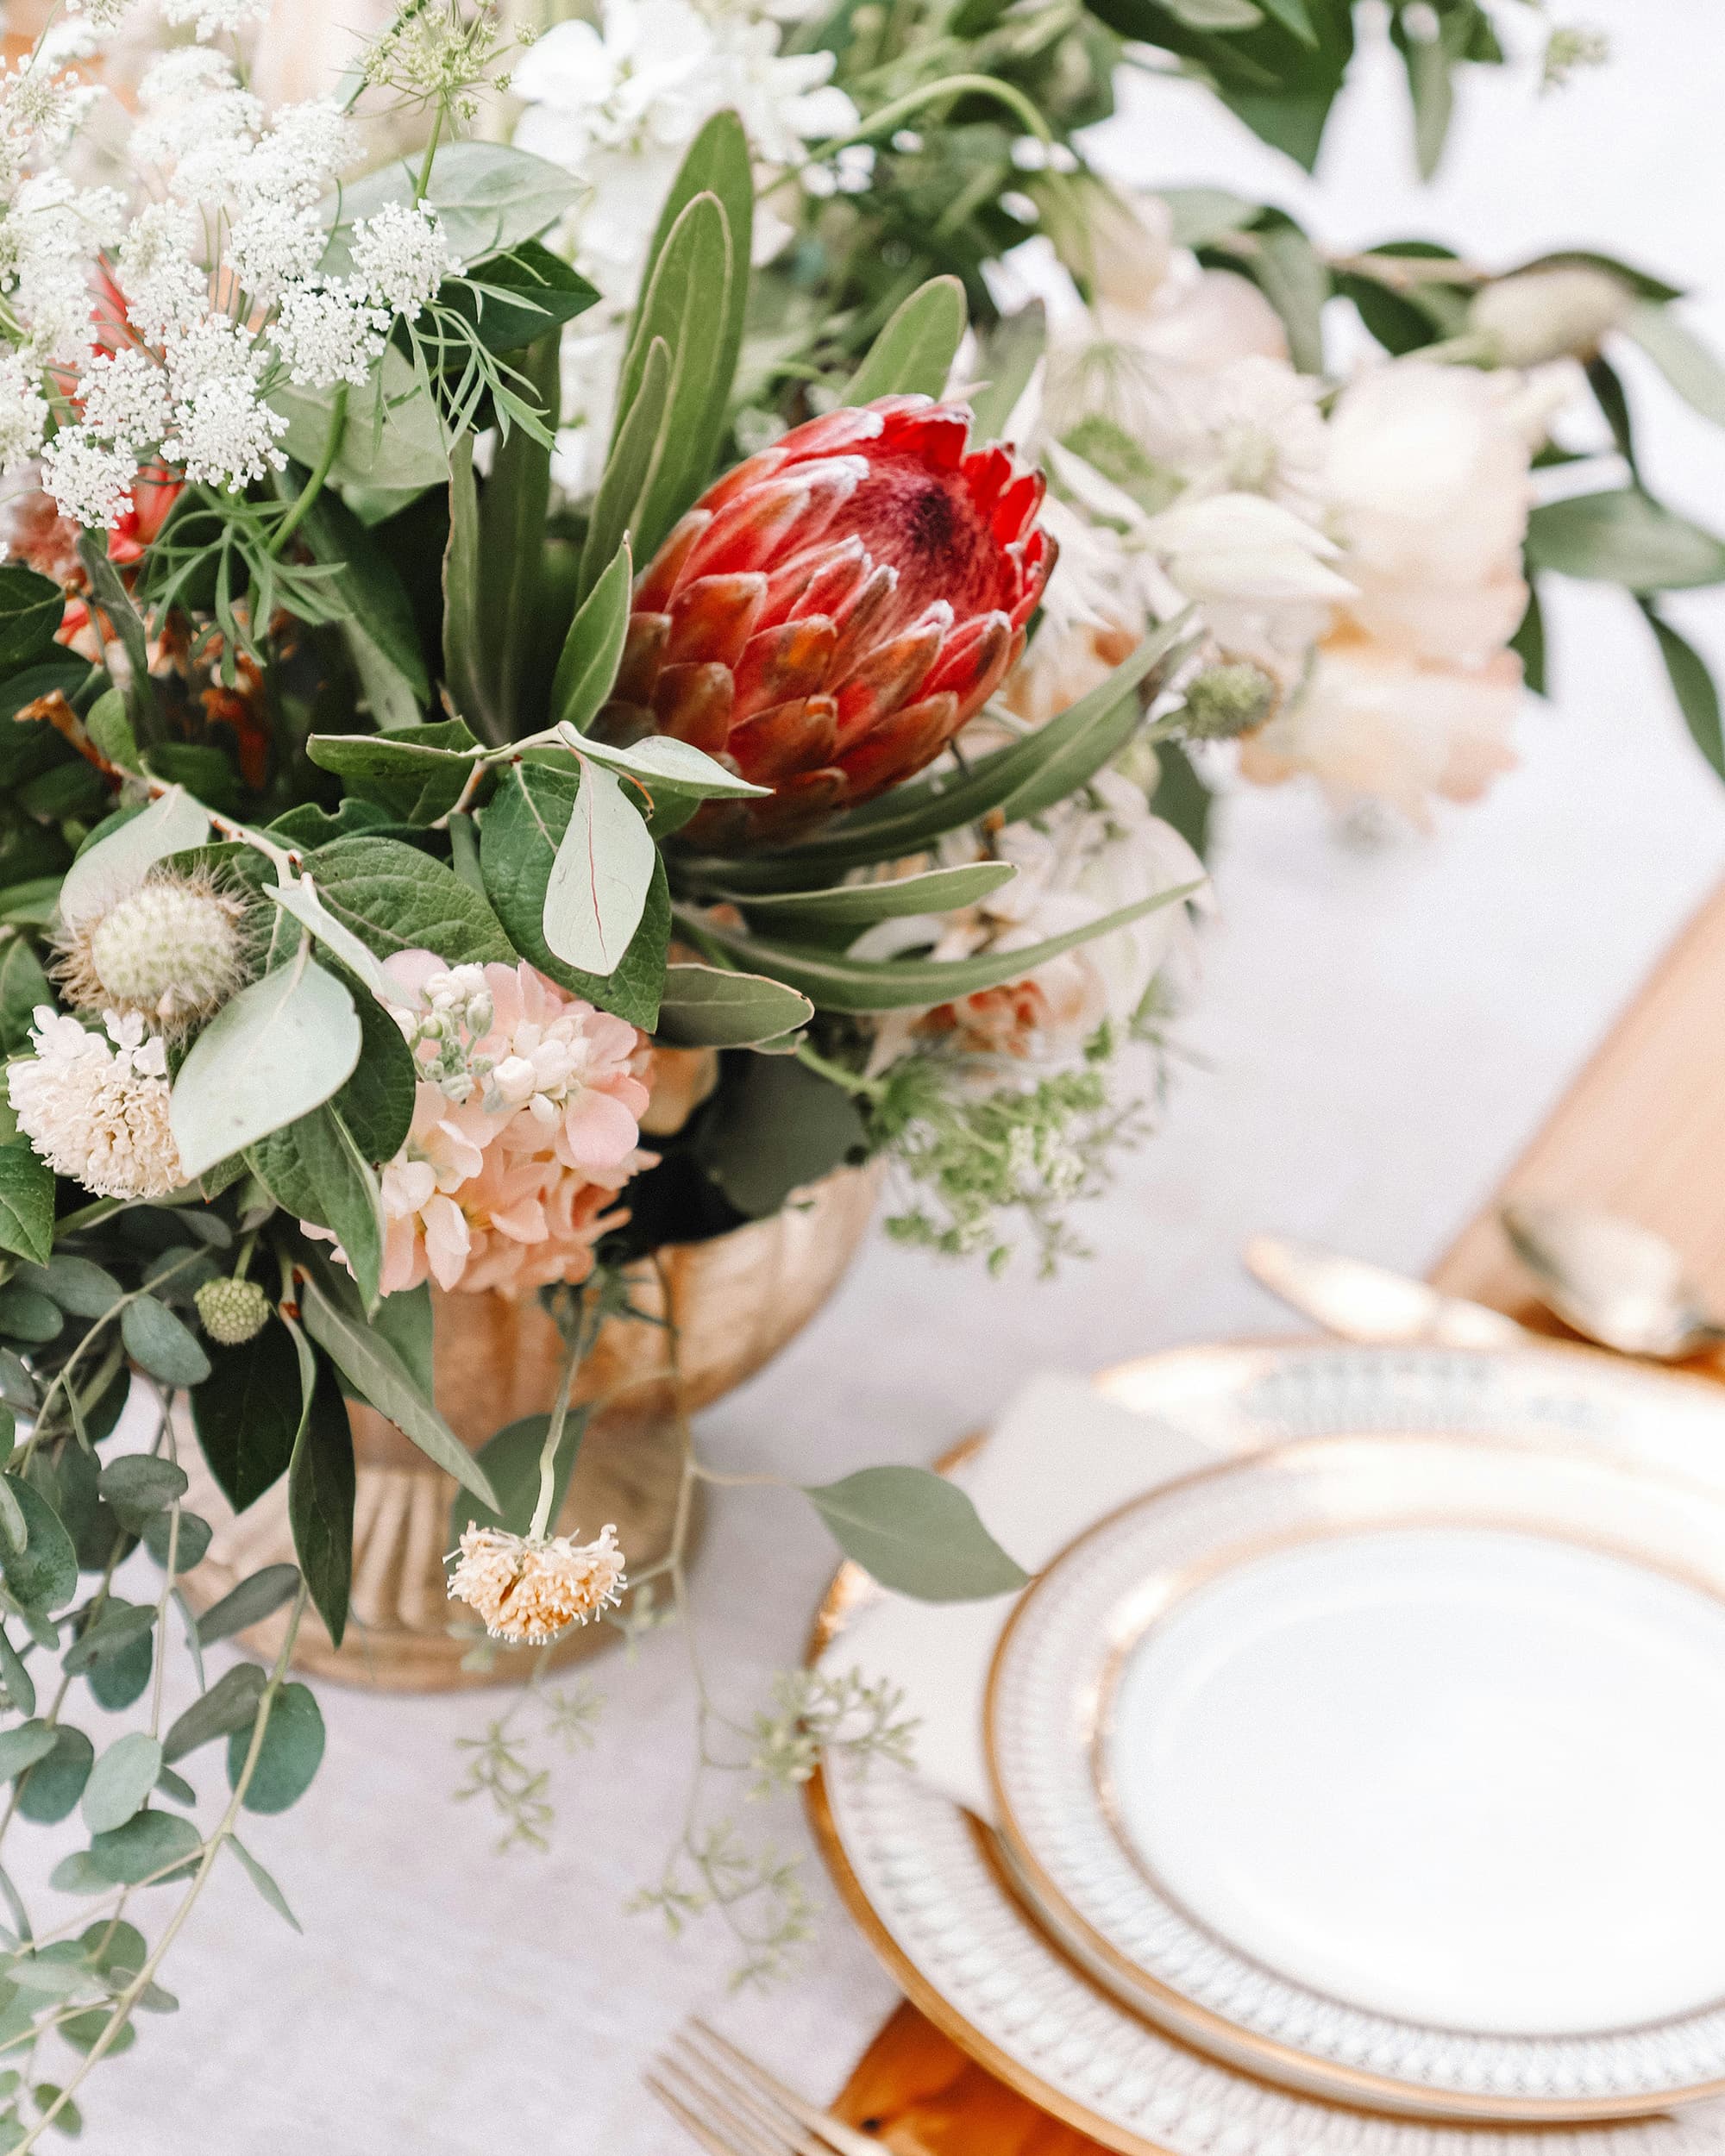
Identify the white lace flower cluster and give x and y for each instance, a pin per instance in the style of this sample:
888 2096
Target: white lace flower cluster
202 301
97 1109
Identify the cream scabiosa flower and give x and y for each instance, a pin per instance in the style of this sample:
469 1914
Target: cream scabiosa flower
527 1590
97 1109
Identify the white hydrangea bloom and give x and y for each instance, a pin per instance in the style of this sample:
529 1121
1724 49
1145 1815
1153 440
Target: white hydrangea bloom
96 1111
24 414
125 399
400 257
328 334
92 483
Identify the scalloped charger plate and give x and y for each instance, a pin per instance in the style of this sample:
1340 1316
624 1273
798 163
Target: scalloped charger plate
1579 1508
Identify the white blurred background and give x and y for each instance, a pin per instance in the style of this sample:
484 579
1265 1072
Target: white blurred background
1381 1031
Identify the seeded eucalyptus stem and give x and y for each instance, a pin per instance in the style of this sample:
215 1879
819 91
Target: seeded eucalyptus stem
134 1990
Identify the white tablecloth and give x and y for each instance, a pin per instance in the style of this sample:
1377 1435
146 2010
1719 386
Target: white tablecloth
1380 1032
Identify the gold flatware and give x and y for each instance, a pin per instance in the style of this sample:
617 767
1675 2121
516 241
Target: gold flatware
1611 1280
1368 1303
733 2107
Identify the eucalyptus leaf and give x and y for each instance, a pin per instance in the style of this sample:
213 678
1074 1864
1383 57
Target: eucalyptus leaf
121 1781
278 1050
298 898
51 1789
159 1343
15 1679
256 1598
143 1846
289 1756
231 1703
597 890
43 1575
141 1486
1693 371
262 1880
77 1284
661 761
916 1533
417 772
113 866
913 354
22 1747
370 1363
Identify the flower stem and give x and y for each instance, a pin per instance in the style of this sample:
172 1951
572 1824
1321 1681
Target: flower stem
848 1081
313 485
553 1431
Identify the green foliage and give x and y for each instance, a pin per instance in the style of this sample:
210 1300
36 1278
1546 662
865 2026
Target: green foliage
289 1756
26 1202
520 834
713 1007
604 867
320 1501
1623 536
249 1413
394 897
776 1127
913 354
1693 686
269 1058
510 1460
916 1533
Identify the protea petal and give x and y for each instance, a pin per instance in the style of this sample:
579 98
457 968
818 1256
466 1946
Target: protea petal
834 609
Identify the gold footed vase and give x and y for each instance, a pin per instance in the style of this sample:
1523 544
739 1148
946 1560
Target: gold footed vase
735 1301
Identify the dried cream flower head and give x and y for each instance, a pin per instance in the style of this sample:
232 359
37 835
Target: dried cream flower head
173 950
96 1111
528 1591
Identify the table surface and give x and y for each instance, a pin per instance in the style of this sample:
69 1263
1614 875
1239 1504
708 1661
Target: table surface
1382 1029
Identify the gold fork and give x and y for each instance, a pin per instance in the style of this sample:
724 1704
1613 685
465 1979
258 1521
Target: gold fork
734 2107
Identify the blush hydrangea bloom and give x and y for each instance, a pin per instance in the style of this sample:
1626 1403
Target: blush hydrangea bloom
525 1127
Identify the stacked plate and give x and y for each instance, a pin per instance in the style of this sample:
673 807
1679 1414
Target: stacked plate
1359 1792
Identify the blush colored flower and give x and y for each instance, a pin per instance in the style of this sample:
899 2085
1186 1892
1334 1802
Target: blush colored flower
528 1590
831 613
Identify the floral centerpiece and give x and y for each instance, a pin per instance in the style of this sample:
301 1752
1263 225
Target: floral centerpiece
559 692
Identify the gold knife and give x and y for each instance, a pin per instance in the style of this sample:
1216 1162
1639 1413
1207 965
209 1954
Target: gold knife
1368 1303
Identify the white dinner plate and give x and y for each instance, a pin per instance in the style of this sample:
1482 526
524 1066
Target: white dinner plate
1389 1767
928 1885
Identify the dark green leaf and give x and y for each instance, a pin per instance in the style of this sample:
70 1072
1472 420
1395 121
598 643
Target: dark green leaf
1529 643
231 1703
416 772
511 556
26 1202
367 1361
916 1533
315 1170
913 354
28 1316
289 1757
23 985
120 1674
320 1502
376 1105
511 1460
776 1127
247 1414
394 897
519 834
688 290
157 1341
518 299
1697 692
30 611
466 677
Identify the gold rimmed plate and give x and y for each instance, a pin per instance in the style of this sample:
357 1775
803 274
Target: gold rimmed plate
927 1883
1384 1766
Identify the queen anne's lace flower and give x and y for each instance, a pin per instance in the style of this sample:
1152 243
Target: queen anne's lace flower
95 1112
164 289
125 399
92 483
24 414
224 437
216 16
400 257
270 244
328 334
527 1591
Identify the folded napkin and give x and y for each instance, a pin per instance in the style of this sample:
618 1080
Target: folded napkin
1061 1459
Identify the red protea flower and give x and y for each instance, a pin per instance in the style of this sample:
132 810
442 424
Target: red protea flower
829 614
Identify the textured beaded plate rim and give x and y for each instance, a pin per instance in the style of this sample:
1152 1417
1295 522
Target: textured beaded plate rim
1067 1640
1584 1387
